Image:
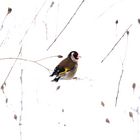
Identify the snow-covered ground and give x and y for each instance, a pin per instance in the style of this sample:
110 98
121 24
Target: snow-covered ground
32 107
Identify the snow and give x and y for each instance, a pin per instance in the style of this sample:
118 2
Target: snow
33 107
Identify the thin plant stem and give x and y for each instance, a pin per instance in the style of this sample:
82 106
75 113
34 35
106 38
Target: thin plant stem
66 25
116 44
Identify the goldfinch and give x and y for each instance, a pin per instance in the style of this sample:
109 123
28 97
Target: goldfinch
67 68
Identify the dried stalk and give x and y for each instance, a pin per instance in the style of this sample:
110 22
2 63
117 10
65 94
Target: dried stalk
116 44
66 25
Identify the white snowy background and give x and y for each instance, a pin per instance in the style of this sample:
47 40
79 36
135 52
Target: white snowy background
34 34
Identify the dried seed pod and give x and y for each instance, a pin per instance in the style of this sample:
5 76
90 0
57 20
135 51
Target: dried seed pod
130 114
52 4
139 20
102 103
58 87
20 124
60 56
3 86
107 120
116 21
62 110
134 86
9 10
15 116
6 100
127 32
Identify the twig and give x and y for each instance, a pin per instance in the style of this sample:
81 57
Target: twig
21 104
66 25
30 25
122 71
116 43
5 39
23 59
59 56
3 22
11 68
106 10
25 33
21 45
138 125
8 12
118 91
2 42
46 29
43 4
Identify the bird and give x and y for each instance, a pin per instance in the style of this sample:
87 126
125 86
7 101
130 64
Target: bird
67 68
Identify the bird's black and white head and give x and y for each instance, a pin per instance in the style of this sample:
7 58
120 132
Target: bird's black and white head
74 56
